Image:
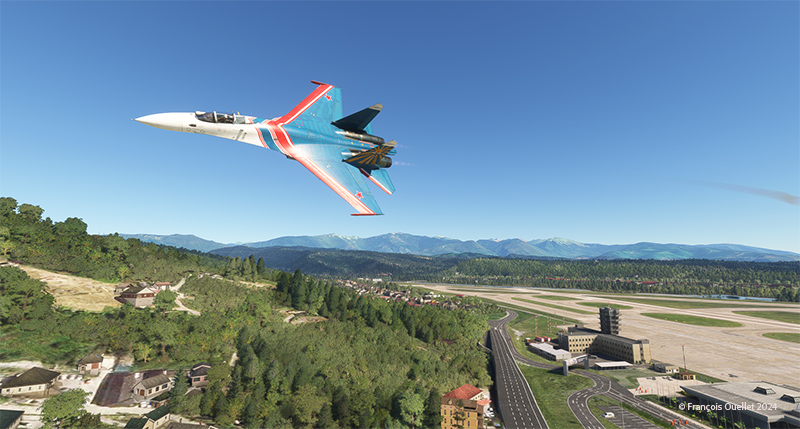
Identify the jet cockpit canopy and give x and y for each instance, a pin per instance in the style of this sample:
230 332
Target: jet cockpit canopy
220 117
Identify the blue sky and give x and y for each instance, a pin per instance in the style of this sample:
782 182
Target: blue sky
602 122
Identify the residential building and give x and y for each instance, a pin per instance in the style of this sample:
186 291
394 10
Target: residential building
148 388
138 296
464 408
198 375
91 364
120 287
139 423
10 419
159 416
159 286
33 382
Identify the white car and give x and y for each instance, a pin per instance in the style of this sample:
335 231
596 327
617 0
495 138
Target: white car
608 415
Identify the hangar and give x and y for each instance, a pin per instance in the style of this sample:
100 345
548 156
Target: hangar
755 403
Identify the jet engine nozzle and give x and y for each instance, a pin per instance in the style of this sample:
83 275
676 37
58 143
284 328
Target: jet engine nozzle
385 162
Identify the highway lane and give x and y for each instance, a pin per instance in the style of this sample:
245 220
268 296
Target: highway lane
515 401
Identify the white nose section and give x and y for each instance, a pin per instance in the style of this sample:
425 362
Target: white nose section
167 121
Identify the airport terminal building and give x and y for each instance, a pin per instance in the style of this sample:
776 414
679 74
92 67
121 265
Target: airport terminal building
579 340
757 404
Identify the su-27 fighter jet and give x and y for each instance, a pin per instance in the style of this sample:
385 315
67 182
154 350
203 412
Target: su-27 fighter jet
340 151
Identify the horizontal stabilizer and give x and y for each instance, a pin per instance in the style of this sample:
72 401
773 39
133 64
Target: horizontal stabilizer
358 122
380 178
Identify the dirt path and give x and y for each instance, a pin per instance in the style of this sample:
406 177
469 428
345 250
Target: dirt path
78 293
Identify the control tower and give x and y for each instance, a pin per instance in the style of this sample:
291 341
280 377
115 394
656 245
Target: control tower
609 321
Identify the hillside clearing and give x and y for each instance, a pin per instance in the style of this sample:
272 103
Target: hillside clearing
74 292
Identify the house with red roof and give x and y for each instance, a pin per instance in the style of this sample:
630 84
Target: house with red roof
464 407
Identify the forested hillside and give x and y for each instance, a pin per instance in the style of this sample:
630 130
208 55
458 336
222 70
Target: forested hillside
65 246
689 276
363 362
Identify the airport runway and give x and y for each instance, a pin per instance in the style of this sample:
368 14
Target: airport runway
515 401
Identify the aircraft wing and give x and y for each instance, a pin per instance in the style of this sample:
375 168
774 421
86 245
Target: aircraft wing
325 162
316 114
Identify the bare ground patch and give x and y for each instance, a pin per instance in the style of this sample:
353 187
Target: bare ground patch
75 292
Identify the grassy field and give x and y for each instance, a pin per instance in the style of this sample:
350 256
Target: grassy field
693 320
558 297
554 306
683 303
496 290
784 336
605 304
780 316
521 310
533 327
551 390
628 378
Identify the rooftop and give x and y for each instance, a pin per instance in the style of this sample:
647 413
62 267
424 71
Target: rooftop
157 413
155 381
466 392
92 358
9 416
745 393
32 377
136 423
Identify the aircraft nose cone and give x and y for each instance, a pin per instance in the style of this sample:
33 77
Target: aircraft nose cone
167 121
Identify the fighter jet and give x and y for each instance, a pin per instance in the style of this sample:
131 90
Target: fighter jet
340 151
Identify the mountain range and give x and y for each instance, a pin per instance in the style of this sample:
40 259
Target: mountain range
515 247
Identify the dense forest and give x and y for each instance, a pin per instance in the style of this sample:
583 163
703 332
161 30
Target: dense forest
778 280
362 362
65 246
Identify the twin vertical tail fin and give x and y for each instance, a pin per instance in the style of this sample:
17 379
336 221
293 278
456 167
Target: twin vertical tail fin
359 122
371 163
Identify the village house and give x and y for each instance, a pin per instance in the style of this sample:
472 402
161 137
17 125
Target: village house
151 387
139 423
91 364
33 382
10 419
159 286
121 287
159 416
138 296
198 375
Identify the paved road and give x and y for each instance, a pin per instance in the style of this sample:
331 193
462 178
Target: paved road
578 402
626 419
516 404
